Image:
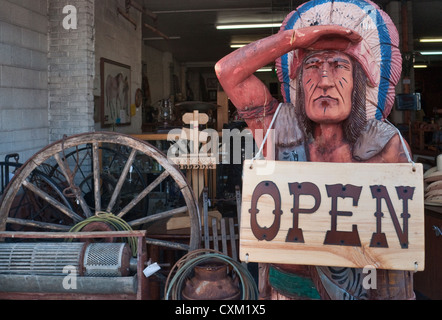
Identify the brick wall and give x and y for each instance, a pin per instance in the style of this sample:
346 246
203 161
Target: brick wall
46 74
23 77
71 70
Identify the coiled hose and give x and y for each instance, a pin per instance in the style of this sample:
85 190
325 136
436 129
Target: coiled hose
185 265
116 222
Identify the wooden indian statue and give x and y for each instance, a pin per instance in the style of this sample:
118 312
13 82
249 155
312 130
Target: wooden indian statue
338 62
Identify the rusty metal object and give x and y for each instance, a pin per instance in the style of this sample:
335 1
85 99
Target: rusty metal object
211 282
96 259
113 284
99 226
107 259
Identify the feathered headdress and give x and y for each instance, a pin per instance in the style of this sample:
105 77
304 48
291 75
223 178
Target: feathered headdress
378 52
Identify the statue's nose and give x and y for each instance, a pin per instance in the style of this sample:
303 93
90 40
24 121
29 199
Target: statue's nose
326 80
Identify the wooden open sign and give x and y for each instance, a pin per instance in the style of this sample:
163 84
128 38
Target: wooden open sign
333 214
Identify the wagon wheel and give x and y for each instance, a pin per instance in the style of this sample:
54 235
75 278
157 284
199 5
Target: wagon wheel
27 204
97 189
112 162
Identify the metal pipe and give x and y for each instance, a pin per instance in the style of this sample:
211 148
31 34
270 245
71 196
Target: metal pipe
56 284
127 17
156 31
269 9
130 3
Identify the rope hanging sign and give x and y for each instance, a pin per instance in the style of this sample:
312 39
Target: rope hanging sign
333 214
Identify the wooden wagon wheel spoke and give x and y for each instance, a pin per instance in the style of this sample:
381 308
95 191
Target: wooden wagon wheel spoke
102 170
120 183
43 195
143 194
38 224
158 216
168 244
96 168
73 188
80 163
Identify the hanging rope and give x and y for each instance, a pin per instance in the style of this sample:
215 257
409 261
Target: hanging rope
403 145
266 136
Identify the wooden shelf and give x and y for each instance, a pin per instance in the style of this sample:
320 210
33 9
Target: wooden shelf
150 136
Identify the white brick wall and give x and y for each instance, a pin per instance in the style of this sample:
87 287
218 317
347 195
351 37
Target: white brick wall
71 70
23 77
46 74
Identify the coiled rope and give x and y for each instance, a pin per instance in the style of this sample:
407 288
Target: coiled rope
116 222
185 266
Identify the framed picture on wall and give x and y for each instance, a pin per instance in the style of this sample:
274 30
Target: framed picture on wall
115 93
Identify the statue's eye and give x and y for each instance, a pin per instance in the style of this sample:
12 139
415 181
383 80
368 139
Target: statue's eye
312 66
342 65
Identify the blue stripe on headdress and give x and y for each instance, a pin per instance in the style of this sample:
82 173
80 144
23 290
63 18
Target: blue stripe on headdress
386 52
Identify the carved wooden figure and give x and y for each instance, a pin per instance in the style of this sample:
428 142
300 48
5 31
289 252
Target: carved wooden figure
338 62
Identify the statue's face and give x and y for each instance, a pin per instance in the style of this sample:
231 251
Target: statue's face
328 85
